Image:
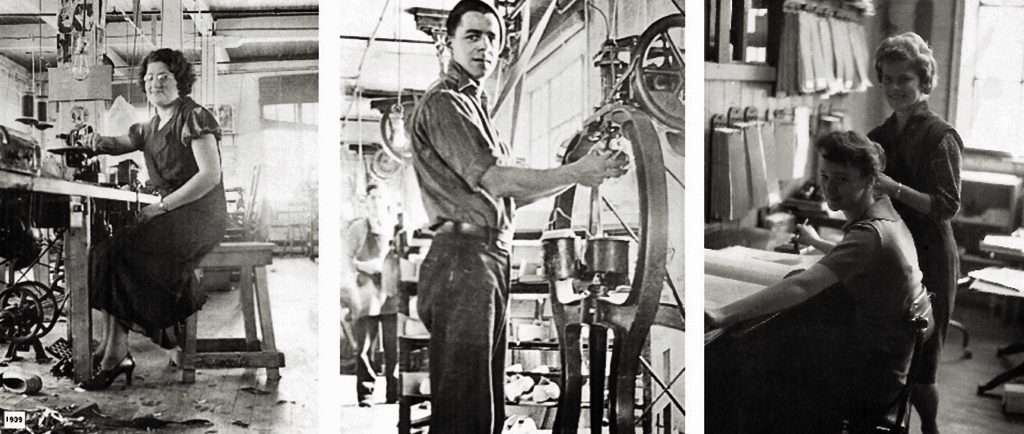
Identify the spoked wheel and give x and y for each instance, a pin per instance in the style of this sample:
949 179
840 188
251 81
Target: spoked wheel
28 311
634 209
657 82
51 305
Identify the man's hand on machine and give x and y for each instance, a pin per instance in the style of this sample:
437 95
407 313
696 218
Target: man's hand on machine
599 165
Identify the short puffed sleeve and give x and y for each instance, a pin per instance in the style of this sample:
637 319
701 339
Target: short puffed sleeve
198 122
137 136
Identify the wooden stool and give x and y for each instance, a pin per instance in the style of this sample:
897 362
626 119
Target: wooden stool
251 259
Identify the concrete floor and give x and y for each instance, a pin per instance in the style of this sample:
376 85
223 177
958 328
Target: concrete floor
231 400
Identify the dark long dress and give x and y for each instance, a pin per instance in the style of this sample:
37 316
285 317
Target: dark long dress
144 274
925 156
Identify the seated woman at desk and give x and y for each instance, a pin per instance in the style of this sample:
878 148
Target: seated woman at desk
143 278
862 365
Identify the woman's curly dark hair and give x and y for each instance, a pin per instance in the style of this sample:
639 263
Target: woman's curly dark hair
176 63
854 149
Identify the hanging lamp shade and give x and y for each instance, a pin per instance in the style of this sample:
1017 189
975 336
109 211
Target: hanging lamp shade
28 109
42 116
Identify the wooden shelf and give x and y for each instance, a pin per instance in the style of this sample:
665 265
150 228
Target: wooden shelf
739 72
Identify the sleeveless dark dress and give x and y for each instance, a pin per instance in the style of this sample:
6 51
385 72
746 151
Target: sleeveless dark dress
144 274
917 156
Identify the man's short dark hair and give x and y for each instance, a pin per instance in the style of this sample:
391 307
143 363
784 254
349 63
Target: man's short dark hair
464 6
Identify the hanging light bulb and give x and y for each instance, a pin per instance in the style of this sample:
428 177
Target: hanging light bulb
80 66
399 141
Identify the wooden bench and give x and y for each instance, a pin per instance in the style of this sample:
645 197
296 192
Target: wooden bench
250 259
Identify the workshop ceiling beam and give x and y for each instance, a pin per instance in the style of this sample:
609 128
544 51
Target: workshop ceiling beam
127 9
33 7
231 33
202 22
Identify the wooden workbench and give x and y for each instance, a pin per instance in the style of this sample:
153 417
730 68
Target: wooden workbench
76 248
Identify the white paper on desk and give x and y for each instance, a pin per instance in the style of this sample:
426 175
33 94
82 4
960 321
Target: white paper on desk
739 267
1004 242
992 288
720 291
788 259
1006 277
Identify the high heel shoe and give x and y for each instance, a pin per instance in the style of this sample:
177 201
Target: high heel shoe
102 379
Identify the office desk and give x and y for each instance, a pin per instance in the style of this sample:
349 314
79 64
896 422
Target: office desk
81 200
730 353
1017 259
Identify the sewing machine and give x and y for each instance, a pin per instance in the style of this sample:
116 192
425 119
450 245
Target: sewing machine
79 157
18 153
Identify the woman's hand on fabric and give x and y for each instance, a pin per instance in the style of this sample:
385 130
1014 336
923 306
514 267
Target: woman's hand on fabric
149 211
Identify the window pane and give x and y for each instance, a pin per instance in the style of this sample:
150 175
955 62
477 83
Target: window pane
1000 48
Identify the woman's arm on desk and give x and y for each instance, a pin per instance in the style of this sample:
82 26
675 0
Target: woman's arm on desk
782 295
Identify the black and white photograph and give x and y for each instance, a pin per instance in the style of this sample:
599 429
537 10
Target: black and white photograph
159 257
511 216
863 244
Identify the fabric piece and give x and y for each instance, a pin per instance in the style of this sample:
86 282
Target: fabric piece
730 183
144 274
785 149
806 43
766 192
455 143
463 300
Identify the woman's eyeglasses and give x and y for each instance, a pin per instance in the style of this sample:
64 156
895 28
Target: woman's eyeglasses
161 77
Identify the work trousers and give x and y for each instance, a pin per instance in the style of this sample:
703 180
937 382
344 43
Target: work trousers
365 331
463 299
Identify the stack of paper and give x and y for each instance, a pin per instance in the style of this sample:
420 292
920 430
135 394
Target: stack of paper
1003 244
1007 281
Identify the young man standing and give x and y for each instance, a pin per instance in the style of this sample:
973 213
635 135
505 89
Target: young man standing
470 192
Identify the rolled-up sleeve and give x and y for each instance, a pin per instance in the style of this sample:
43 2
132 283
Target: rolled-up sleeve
943 178
458 138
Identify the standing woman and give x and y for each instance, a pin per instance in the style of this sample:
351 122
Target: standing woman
922 176
143 277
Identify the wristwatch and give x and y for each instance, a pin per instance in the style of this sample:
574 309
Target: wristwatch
162 206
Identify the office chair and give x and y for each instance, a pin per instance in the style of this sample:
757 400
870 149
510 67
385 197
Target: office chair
895 418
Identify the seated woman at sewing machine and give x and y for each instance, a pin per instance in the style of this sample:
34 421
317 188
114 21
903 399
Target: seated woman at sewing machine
861 365
142 278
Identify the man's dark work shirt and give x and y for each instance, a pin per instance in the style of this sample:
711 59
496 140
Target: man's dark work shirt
455 143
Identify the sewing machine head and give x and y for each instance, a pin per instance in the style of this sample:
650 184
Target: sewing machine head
18 153
77 156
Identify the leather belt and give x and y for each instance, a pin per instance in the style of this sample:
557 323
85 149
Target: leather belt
472 230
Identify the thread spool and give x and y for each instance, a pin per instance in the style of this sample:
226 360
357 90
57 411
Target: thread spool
42 116
28 115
